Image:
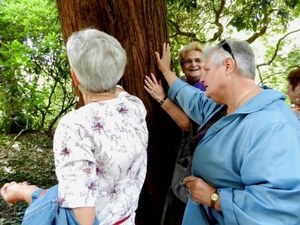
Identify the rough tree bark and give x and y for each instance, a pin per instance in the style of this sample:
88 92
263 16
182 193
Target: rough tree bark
141 28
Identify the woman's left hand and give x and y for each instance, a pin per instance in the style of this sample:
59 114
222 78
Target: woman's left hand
154 88
199 190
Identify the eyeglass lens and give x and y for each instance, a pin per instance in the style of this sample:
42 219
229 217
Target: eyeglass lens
189 61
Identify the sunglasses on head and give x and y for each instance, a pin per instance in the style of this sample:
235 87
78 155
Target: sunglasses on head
190 61
226 47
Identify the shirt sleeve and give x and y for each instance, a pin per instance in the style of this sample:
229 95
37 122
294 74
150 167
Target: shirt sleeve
182 93
75 165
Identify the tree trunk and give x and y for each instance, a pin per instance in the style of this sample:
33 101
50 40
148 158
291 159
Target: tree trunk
141 28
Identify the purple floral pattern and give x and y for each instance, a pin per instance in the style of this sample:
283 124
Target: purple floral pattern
101 159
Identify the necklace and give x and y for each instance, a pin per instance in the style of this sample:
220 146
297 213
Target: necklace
244 98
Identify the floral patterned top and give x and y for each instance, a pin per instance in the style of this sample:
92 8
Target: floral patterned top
101 159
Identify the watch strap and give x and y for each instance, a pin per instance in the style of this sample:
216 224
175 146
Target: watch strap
163 100
212 201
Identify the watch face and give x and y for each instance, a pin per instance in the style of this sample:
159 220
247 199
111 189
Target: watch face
214 197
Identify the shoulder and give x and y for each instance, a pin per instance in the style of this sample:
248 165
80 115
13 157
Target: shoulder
131 102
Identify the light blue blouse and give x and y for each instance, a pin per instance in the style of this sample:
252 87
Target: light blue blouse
252 156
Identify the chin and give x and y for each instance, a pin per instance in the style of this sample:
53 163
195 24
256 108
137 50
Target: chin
194 74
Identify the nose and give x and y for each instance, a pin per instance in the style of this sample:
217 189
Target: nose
194 63
202 77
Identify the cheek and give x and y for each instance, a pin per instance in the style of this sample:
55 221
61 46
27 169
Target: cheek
184 69
290 92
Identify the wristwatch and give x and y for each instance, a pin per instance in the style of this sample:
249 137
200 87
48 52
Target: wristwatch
163 100
214 197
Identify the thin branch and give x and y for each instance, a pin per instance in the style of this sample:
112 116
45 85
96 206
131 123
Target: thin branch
218 13
277 48
257 34
262 30
179 32
274 55
12 143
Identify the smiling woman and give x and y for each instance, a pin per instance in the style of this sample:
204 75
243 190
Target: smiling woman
190 61
91 188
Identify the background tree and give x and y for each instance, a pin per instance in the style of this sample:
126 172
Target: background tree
270 27
34 90
141 28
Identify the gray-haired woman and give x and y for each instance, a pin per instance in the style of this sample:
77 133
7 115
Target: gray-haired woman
246 167
99 149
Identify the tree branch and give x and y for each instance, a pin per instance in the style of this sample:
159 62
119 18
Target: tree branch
12 143
179 32
277 48
219 25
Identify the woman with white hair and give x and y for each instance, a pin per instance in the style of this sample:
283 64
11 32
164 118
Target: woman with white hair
245 170
99 149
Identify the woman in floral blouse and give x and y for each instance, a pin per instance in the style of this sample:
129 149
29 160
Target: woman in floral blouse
99 149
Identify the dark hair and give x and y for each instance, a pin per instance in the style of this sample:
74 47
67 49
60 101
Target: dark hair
294 78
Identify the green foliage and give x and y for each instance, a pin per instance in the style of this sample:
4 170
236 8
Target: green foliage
264 24
35 85
36 90
188 5
28 158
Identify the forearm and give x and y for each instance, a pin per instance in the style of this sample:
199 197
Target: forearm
16 192
84 215
170 77
27 192
177 114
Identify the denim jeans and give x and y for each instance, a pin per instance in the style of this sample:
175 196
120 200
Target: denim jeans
45 210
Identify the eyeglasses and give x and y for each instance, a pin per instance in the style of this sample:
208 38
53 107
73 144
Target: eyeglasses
190 61
226 47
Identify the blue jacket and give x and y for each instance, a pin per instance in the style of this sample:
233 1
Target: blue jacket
252 156
45 210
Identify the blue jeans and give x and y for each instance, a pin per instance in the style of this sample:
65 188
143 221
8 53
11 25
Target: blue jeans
45 210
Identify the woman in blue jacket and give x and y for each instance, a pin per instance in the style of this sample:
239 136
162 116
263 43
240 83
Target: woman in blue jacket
246 169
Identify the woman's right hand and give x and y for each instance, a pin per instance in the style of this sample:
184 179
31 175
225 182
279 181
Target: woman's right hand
154 88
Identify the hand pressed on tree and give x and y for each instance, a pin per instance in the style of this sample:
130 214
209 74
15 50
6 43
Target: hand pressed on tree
154 88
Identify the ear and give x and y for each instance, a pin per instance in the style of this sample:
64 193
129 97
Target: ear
76 82
229 65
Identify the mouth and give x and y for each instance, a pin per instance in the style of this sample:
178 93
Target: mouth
193 70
